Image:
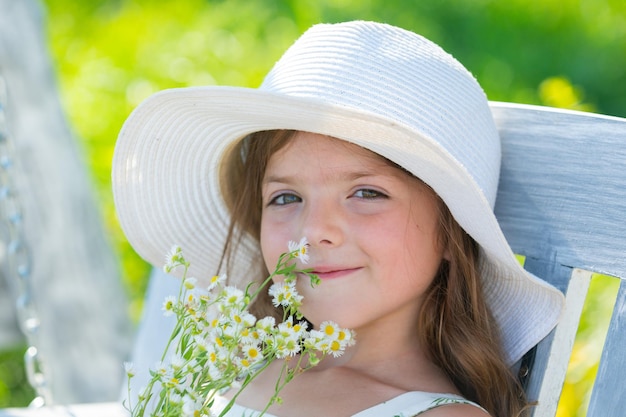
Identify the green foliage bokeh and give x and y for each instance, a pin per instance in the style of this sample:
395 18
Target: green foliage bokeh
111 54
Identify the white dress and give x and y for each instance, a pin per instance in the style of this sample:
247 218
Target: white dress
409 404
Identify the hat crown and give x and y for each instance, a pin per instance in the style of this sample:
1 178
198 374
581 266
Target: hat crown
401 76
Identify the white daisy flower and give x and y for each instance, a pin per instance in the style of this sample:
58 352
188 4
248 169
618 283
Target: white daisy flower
330 338
168 305
316 341
160 368
285 294
330 330
336 349
176 362
191 407
175 397
215 281
243 318
232 298
192 304
243 366
231 332
266 324
345 337
265 327
252 353
192 367
215 373
250 335
129 368
173 259
142 393
300 249
201 342
285 346
288 329
190 283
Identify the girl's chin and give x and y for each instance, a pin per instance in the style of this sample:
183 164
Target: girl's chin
315 318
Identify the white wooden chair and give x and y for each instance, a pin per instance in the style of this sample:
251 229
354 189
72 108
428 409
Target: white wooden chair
562 205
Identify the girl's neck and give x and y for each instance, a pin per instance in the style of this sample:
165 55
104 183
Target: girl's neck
389 344
380 366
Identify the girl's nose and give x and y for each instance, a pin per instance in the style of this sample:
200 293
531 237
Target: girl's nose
322 224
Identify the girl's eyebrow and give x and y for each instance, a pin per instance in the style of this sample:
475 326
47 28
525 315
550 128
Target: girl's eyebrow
277 178
342 176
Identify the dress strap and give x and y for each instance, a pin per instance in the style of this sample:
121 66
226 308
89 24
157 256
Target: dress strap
414 403
409 404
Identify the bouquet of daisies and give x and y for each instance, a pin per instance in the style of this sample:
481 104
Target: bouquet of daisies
218 344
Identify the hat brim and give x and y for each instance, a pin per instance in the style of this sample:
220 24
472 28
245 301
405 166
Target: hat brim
165 179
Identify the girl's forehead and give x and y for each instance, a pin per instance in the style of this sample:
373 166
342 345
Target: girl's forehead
310 144
335 156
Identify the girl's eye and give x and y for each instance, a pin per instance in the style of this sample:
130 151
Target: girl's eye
284 199
369 194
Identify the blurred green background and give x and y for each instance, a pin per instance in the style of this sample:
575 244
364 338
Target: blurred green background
111 54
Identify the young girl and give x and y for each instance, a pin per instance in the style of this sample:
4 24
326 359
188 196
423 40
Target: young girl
380 148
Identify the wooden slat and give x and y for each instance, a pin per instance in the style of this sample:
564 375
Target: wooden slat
553 354
563 184
609 391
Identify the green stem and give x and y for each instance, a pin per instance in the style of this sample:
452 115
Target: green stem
243 386
280 264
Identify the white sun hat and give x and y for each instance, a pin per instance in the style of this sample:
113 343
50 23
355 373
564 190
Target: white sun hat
375 85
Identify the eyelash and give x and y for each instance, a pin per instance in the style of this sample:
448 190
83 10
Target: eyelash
373 195
274 201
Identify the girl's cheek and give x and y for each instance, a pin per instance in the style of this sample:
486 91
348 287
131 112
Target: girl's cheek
269 246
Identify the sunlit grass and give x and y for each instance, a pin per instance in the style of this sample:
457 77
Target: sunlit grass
14 388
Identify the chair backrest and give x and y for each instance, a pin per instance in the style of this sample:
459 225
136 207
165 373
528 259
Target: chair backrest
562 205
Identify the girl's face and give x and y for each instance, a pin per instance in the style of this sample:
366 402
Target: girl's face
372 229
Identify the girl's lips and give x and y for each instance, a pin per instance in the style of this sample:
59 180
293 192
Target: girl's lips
332 273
